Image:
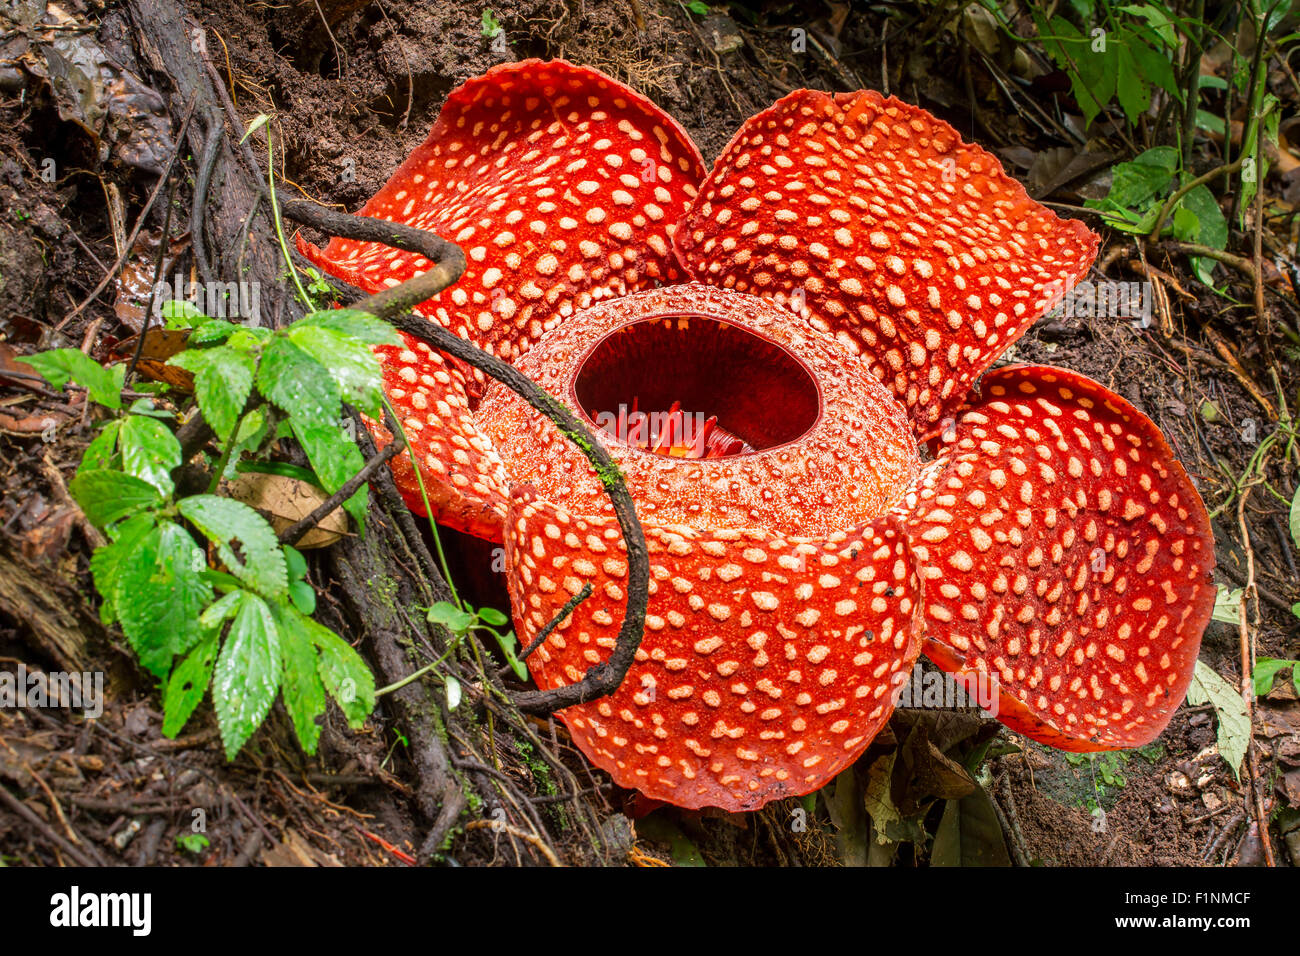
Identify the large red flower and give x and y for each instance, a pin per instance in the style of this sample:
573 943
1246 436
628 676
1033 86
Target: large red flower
761 350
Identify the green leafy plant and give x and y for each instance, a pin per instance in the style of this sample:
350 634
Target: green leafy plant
460 619
491 25
1266 671
698 7
203 590
1120 55
1143 197
194 843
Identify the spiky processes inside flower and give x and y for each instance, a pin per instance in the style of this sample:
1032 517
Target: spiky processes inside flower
693 387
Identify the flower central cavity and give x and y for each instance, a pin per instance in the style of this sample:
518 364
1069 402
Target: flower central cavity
695 387
760 422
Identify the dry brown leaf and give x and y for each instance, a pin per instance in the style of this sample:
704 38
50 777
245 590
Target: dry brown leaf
286 500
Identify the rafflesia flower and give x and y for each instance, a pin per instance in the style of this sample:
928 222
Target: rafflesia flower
763 350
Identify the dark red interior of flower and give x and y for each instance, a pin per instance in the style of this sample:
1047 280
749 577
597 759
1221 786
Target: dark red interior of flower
689 386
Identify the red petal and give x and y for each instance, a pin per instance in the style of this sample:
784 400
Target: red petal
909 246
1065 552
563 187
840 447
463 476
767 664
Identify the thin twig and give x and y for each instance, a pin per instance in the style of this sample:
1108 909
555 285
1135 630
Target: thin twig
555 622
393 306
202 180
139 223
499 826
1247 647
1225 170
291 534
159 257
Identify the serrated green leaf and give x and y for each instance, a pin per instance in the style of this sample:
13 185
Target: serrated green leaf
355 323
304 694
1153 62
101 453
334 458
106 495
247 674
344 673
249 436
188 683
1208 687
149 451
259 562
299 384
349 360
224 607
159 594
181 314
106 562
249 338
59 366
304 388
211 332
223 380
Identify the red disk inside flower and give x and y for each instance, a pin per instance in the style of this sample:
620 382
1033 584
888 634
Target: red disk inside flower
827 444
694 387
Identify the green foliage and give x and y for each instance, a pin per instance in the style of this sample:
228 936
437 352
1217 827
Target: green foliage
1139 190
461 619
1227 605
1266 671
698 7
1118 57
491 26
61 366
1234 725
242 629
194 843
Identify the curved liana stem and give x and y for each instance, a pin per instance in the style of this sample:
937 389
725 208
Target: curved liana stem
393 306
